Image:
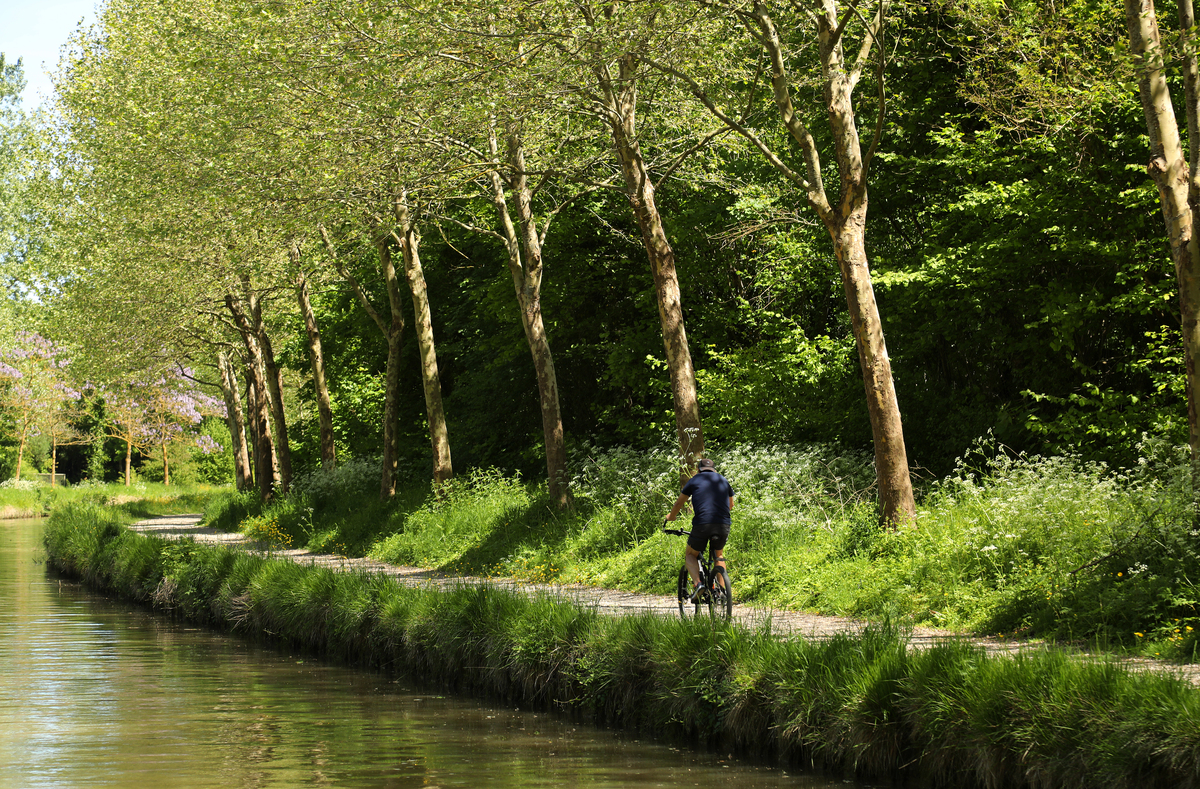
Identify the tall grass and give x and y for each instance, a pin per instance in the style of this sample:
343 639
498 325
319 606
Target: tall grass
1007 544
864 704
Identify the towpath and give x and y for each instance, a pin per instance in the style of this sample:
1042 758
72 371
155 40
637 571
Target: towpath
611 601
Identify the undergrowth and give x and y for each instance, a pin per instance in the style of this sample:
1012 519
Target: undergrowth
1006 545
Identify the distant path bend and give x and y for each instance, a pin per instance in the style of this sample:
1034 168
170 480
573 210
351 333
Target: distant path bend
613 602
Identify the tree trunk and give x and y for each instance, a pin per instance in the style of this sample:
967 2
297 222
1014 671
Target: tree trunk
845 222
256 458
128 460
1178 189
274 380
266 464
20 454
236 422
54 463
896 502
439 436
527 281
847 227
166 468
393 332
391 401
316 358
621 109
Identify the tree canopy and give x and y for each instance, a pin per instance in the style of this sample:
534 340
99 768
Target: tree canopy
610 223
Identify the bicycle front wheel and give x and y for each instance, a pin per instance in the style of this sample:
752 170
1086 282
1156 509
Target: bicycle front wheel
722 594
688 609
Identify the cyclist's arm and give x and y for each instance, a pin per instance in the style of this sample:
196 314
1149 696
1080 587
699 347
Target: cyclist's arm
679 502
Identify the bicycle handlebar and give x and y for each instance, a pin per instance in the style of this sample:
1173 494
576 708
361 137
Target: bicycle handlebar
680 532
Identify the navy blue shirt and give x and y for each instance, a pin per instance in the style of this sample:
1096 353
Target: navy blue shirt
710 493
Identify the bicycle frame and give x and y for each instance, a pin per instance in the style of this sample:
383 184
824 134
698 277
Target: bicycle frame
714 590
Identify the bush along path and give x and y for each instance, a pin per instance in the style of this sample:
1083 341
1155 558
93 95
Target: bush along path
950 714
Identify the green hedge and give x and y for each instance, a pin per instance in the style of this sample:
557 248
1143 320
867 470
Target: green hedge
866 704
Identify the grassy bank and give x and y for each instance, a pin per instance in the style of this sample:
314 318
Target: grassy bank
1044 547
865 705
142 500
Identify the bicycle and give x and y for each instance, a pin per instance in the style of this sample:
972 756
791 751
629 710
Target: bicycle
716 591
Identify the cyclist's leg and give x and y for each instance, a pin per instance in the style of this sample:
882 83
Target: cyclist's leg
697 541
691 560
717 544
719 561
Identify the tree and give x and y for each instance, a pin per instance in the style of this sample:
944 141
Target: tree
34 389
1178 183
152 412
766 33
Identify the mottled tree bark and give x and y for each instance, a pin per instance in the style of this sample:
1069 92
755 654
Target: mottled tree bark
846 221
316 358
236 421
620 107
274 379
527 281
846 224
266 464
439 435
1178 185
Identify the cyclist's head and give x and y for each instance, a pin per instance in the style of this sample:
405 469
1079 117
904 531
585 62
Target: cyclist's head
704 464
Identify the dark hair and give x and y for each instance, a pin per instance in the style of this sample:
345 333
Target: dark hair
704 463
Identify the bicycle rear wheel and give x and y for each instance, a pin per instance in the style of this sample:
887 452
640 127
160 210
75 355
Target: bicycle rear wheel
688 609
722 594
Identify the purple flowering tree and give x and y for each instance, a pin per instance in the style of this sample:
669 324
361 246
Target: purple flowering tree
151 414
35 390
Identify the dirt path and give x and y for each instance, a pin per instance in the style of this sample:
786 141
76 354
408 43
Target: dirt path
611 601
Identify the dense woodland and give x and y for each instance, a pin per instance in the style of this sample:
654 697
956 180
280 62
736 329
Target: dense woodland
459 235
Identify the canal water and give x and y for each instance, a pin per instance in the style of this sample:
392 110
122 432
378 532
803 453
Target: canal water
96 693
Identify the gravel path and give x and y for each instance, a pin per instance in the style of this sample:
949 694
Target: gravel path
611 601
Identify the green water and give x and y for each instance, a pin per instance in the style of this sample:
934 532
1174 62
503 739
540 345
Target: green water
97 693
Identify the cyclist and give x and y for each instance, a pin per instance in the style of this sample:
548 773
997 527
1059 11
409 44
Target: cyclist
712 501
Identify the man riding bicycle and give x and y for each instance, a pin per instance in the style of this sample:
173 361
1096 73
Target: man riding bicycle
712 502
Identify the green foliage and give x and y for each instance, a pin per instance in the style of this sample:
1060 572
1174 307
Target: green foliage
229 509
948 715
213 459
1056 547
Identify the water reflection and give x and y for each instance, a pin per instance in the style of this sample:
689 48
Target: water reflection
97 693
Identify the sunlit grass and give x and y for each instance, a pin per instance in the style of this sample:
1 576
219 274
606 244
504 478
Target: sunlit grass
1007 545
141 500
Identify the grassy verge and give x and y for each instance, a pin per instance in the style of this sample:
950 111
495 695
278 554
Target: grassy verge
1036 547
858 704
35 500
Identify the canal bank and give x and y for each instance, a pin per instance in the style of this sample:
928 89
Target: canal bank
97 691
949 715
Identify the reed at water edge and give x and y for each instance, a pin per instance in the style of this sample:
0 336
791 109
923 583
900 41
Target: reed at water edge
946 716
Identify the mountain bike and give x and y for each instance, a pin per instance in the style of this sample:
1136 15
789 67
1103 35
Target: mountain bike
715 593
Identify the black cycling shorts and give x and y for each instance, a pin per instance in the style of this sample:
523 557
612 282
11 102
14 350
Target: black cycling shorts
714 534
